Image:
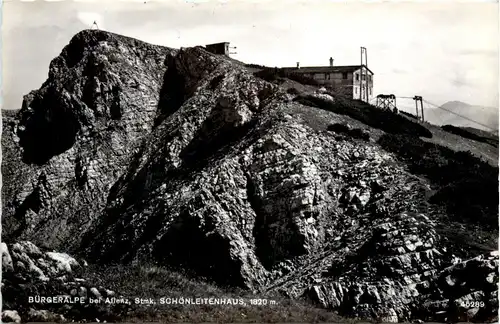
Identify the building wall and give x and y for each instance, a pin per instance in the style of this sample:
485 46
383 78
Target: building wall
348 84
219 48
359 85
340 82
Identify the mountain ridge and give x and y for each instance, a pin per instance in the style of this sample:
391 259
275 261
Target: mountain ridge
185 159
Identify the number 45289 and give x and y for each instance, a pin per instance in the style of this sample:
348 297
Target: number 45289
472 304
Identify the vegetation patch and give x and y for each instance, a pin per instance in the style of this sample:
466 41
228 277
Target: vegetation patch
256 66
473 134
293 91
407 114
342 128
466 186
155 282
276 74
369 115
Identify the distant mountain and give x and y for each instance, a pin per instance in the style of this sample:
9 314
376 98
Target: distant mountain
487 116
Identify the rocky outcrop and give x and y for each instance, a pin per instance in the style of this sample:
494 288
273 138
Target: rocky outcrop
26 261
465 291
42 285
9 316
77 133
185 145
186 159
401 279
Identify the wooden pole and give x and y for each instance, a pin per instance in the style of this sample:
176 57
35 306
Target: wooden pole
416 105
366 76
361 77
422 106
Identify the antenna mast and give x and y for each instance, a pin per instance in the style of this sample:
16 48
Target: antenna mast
364 73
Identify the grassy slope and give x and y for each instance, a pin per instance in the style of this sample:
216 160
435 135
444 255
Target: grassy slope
157 282
480 143
485 151
473 133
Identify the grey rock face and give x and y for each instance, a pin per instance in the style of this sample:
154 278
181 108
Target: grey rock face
37 265
9 316
186 159
37 274
397 272
78 132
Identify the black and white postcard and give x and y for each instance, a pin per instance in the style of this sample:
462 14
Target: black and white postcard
250 161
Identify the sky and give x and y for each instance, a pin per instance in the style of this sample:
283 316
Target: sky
441 50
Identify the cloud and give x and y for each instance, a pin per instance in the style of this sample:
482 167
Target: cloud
399 71
460 82
478 52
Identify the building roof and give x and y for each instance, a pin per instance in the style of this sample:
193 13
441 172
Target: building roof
214 44
326 69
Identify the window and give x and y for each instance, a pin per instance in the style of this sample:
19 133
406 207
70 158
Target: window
327 76
357 77
370 91
355 90
363 77
344 75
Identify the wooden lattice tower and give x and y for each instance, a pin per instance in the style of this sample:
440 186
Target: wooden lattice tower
386 101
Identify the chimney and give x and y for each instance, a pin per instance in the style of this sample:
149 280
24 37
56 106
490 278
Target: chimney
331 61
298 65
